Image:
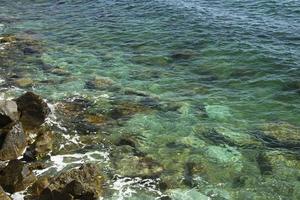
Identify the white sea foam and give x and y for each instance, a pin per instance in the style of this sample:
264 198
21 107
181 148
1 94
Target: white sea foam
126 186
59 161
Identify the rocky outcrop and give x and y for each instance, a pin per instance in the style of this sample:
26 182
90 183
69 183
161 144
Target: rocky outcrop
16 176
34 110
40 147
85 182
12 142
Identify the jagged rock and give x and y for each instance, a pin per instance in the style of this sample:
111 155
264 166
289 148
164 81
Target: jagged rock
83 183
16 176
3 195
37 188
12 142
34 110
8 113
41 146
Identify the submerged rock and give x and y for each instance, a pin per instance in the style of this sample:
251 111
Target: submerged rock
8 113
182 55
100 83
279 135
85 182
282 131
24 82
16 176
12 142
128 164
30 50
34 110
60 72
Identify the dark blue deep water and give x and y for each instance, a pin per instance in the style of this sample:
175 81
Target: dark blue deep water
225 75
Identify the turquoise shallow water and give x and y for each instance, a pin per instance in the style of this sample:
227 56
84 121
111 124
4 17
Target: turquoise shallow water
230 67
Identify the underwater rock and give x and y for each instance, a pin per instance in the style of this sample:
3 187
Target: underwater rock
99 83
218 112
24 82
182 55
151 60
137 166
34 110
127 109
8 113
16 176
283 165
3 195
279 135
60 72
263 163
282 131
85 182
292 86
30 50
12 142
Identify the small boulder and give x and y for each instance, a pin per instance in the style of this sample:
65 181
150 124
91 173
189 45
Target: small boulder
12 142
8 113
86 182
34 110
16 176
24 82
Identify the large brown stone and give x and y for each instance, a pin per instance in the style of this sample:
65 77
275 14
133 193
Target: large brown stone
34 110
12 142
85 182
16 176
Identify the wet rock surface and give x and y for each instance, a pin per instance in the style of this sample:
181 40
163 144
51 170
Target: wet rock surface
40 148
86 182
16 176
13 142
33 110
